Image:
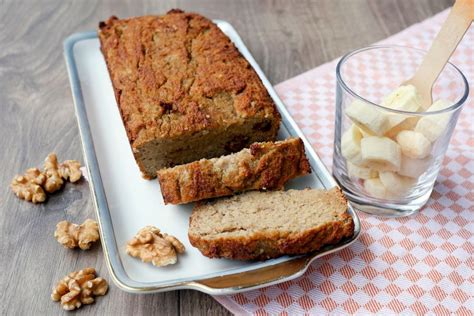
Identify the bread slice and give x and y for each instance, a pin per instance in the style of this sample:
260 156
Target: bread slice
262 166
263 225
183 89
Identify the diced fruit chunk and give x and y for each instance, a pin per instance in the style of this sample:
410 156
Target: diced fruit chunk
375 188
350 145
413 144
404 98
368 118
365 133
360 172
432 126
395 183
414 168
408 123
380 153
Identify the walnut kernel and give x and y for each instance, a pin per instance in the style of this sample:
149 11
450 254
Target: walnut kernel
54 181
32 185
69 170
71 235
152 246
28 186
175 242
78 288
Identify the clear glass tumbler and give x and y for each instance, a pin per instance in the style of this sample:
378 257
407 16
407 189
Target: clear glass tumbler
387 159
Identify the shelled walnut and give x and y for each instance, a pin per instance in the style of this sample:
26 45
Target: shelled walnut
78 288
71 235
150 245
32 185
28 186
54 181
70 170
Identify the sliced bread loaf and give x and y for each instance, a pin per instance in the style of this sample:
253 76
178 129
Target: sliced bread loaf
263 225
184 90
265 166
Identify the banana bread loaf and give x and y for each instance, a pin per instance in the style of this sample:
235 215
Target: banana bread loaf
262 166
183 89
263 225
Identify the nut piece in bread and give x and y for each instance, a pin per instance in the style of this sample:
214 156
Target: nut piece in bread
263 225
265 166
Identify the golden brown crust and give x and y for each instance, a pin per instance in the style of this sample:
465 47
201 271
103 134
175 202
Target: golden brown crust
266 245
264 166
271 244
177 75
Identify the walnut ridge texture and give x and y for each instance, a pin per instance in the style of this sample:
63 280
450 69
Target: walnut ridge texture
151 245
72 236
70 170
54 181
79 288
34 184
265 166
183 89
28 187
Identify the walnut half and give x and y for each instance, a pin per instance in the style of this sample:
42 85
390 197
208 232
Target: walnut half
151 245
32 185
70 170
71 235
54 181
78 288
28 186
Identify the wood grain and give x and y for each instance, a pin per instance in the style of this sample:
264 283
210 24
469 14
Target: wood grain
37 117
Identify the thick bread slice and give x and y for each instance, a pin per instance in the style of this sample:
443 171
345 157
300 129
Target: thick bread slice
262 166
263 225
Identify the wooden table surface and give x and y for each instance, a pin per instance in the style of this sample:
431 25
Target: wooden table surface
37 117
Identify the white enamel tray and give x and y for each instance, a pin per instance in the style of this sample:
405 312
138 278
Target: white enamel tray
125 202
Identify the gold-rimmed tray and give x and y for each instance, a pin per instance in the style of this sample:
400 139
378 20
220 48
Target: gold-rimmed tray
125 202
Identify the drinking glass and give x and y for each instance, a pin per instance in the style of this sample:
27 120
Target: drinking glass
368 75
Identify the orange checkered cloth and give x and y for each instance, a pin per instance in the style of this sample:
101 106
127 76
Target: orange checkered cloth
419 264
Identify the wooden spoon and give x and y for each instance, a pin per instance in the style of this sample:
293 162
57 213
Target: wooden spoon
448 38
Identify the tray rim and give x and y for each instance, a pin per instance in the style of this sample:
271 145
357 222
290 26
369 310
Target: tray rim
295 266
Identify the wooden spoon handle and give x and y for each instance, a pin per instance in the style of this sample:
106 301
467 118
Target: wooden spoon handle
451 33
